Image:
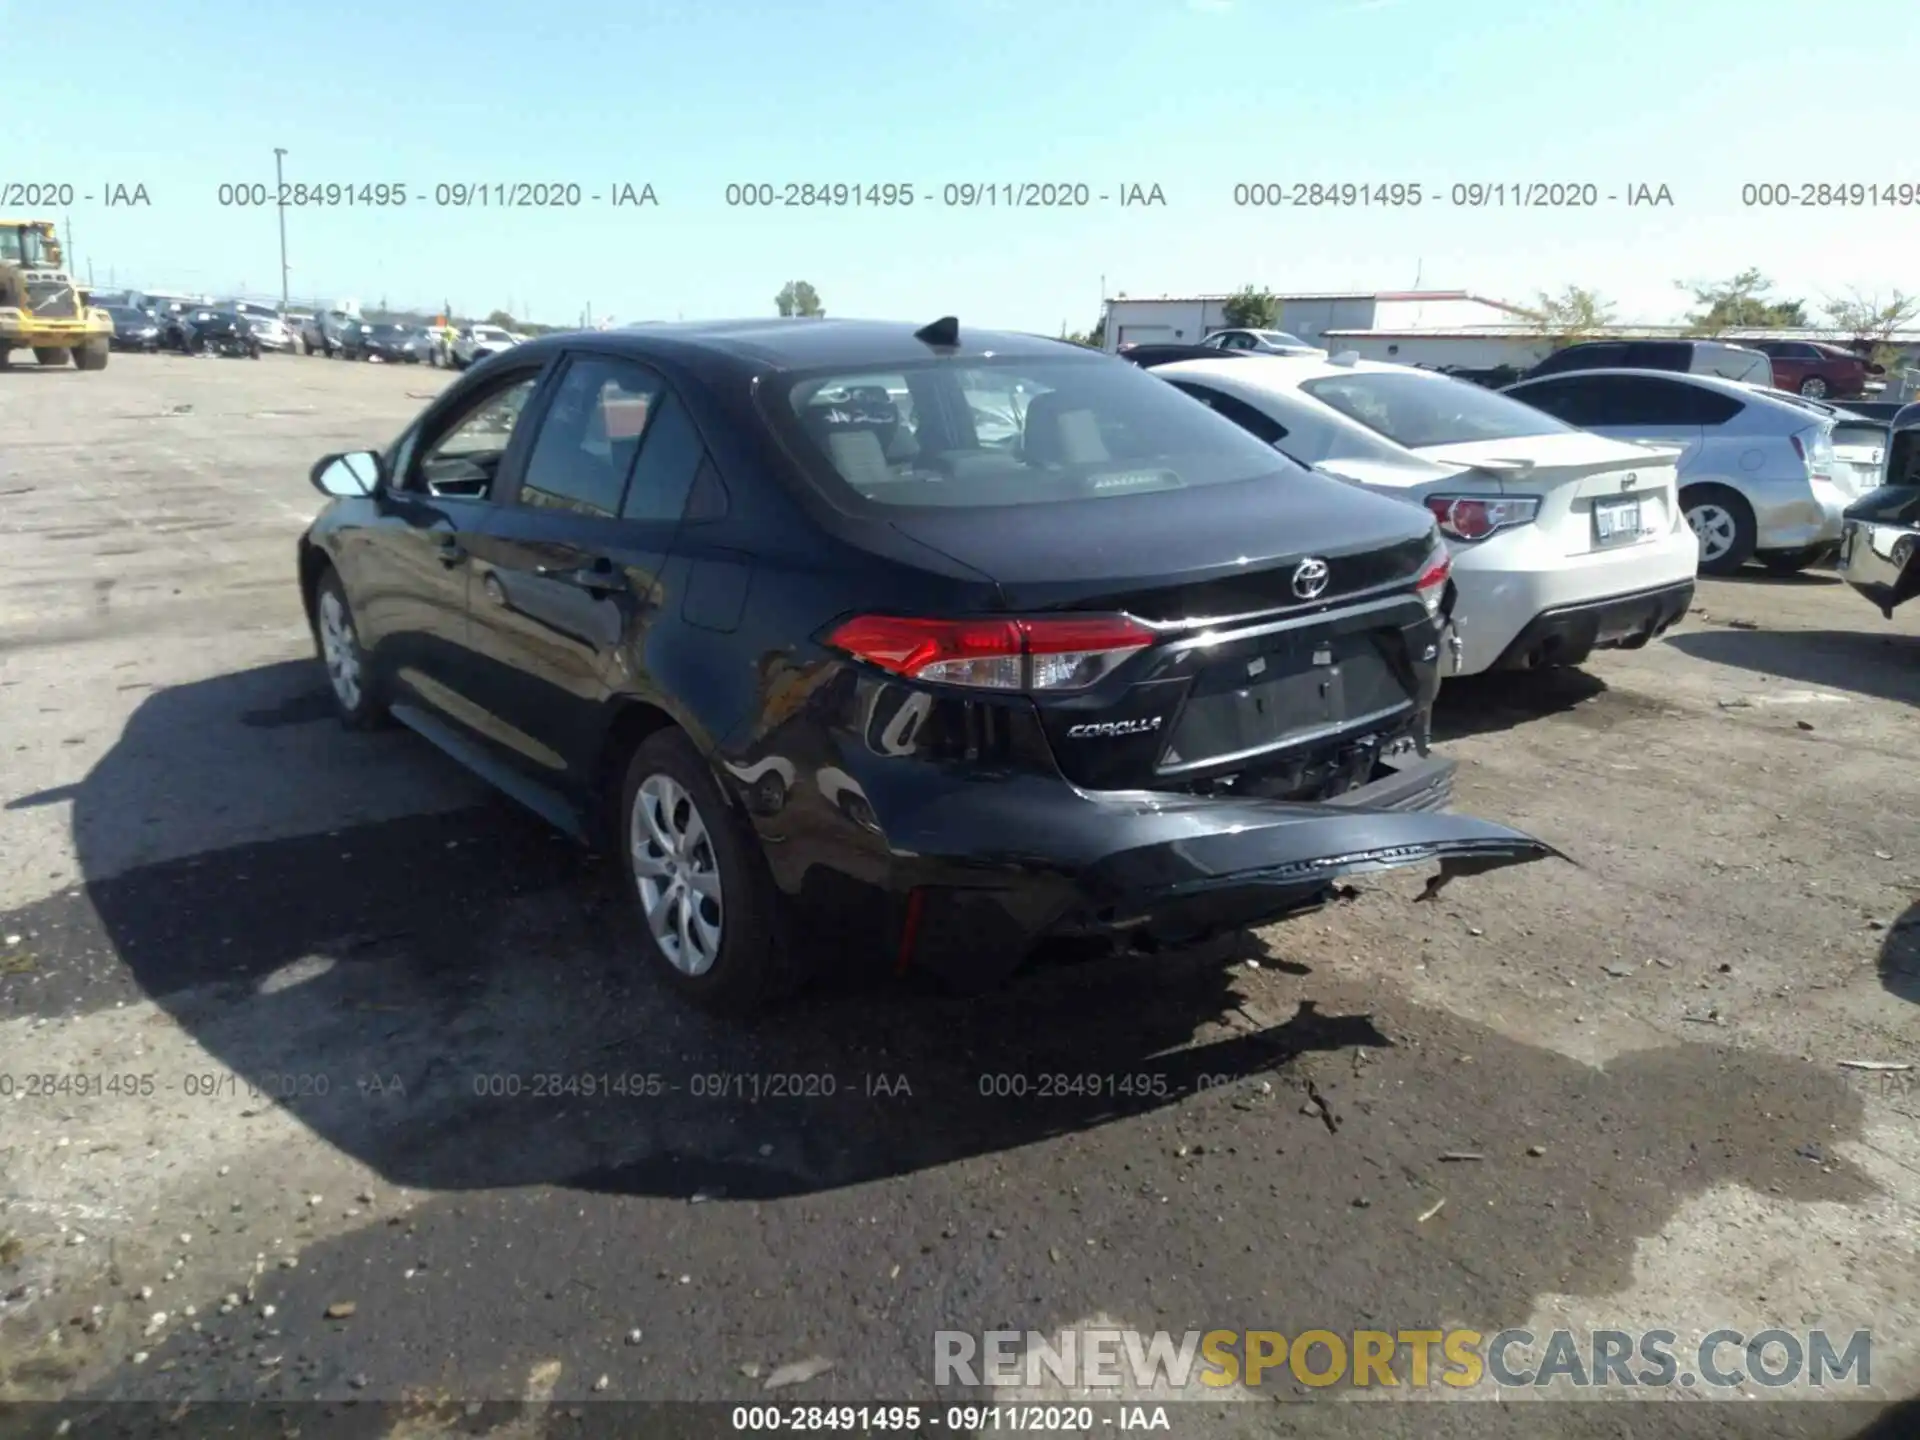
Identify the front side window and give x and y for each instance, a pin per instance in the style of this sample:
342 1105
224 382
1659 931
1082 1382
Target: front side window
589 436
1415 410
1018 431
1571 400
462 460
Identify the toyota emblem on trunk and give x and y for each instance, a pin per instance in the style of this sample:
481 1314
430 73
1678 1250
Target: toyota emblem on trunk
1310 578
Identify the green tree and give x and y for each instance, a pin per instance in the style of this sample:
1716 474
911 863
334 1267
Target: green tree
502 319
1874 319
797 297
1740 303
1575 314
1094 339
1251 308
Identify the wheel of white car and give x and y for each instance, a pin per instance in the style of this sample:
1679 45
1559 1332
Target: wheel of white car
707 905
1722 521
348 675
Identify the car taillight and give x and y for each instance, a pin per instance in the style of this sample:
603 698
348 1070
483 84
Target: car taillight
1814 446
1431 585
1043 653
1475 517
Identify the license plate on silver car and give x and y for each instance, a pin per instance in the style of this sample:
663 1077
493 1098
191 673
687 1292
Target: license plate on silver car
1616 521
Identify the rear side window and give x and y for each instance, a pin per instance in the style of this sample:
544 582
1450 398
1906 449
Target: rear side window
589 436
670 456
1630 400
1257 423
1018 431
1415 409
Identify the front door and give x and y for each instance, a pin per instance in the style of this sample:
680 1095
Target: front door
414 561
568 568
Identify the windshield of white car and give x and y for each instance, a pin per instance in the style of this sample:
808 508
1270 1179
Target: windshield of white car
1281 337
1416 411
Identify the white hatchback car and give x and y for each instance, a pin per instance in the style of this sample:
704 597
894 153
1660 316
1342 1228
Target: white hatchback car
1563 542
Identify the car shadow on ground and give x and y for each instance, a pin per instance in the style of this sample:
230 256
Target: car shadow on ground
1483 704
1900 960
1885 666
1804 579
453 1000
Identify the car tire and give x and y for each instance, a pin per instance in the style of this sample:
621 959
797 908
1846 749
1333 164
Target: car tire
91 355
708 912
1727 521
337 638
1815 388
50 354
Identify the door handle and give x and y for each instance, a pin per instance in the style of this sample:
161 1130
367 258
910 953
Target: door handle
599 578
451 551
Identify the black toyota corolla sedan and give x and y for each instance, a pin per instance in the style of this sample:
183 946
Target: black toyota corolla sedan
981 638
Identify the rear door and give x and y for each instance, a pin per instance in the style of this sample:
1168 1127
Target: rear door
568 570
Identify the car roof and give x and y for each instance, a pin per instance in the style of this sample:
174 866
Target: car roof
792 343
1739 389
1287 372
1734 389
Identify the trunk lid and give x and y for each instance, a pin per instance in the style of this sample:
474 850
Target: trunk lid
1595 493
1248 670
1859 455
1183 555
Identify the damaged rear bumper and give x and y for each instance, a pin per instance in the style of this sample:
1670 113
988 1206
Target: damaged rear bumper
988 871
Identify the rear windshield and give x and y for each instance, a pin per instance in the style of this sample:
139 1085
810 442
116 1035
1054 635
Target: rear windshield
1420 410
1020 431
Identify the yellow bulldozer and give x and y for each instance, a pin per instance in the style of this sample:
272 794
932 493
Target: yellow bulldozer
42 307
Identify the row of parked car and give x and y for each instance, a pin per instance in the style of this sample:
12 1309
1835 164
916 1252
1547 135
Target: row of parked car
152 321
1814 369
986 639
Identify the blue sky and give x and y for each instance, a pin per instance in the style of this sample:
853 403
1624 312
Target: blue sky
1194 96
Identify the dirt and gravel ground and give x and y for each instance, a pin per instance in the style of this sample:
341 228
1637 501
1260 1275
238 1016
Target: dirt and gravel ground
296 989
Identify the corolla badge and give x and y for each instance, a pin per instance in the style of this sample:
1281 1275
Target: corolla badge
1113 727
1310 577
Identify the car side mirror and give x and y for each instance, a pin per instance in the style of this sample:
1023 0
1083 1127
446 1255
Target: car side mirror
355 473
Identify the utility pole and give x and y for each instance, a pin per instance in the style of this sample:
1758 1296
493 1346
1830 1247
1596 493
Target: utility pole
280 196
72 255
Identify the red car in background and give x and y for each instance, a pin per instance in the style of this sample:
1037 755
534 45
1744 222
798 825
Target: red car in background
1814 369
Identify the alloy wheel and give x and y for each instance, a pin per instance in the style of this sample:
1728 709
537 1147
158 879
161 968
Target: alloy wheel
677 873
341 649
1713 526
